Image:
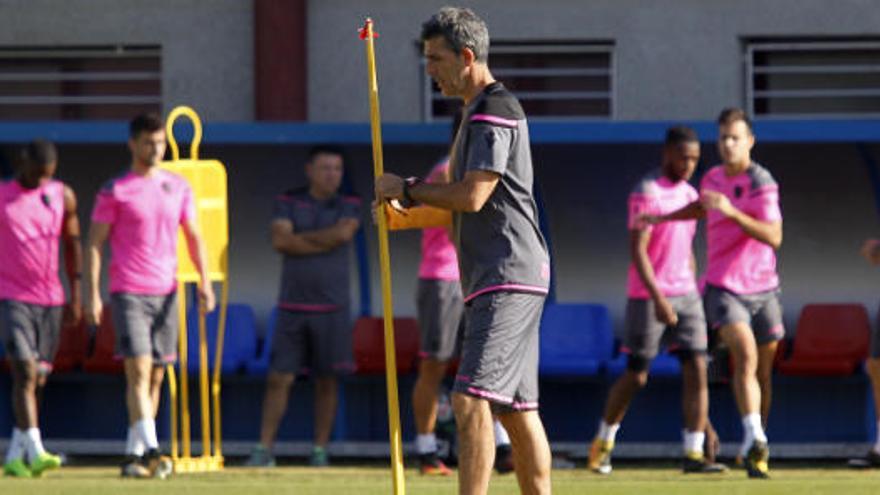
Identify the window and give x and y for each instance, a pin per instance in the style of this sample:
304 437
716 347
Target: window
73 83
555 80
813 78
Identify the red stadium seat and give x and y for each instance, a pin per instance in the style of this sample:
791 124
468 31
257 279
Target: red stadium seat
103 358
72 347
369 345
831 340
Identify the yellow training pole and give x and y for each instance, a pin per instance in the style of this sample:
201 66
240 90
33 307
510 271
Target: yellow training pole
385 269
204 401
172 400
184 372
218 362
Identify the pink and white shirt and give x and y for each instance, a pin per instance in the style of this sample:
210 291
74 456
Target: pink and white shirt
670 245
439 259
144 213
736 261
30 228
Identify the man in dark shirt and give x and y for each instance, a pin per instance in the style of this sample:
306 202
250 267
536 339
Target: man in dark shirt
312 228
502 255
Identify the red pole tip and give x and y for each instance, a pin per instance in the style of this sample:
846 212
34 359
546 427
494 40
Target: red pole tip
362 32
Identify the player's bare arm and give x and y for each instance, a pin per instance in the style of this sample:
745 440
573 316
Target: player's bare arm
693 211
769 233
98 233
198 253
467 195
73 257
638 243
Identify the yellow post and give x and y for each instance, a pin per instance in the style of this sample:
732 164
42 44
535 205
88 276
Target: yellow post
184 371
367 34
218 362
209 184
172 400
204 401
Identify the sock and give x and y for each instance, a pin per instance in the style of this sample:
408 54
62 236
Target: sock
753 428
877 441
501 437
693 442
146 431
426 444
134 445
607 432
33 443
16 443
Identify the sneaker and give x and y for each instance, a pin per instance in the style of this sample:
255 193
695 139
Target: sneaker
430 465
260 457
871 460
44 462
503 459
319 458
17 469
159 466
600 456
699 464
757 461
133 467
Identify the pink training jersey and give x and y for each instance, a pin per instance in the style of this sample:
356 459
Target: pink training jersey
439 260
30 227
736 261
144 213
669 248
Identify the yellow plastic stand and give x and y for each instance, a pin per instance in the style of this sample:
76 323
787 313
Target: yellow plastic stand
397 478
208 181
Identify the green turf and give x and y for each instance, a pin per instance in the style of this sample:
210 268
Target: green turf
369 481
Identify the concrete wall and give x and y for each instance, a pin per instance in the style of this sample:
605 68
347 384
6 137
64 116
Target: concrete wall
207 45
676 59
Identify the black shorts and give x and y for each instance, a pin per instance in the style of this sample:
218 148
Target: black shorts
317 343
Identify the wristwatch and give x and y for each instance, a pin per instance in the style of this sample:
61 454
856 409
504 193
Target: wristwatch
408 201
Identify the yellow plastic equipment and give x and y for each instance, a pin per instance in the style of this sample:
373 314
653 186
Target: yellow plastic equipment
399 487
208 181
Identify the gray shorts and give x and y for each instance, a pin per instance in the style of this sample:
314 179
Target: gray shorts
499 360
146 325
316 343
761 311
645 333
875 340
440 308
30 332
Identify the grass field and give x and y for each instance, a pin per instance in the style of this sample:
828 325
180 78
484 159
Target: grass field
787 480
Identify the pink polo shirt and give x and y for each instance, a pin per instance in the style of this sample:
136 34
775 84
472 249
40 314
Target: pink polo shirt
30 228
736 261
670 245
144 213
439 259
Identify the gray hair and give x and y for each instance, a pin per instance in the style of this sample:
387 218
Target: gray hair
461 28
